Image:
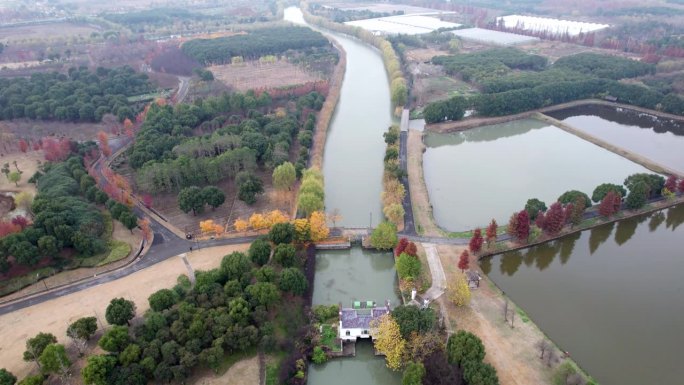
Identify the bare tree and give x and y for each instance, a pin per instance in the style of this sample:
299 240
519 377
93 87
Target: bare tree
543 346
512 317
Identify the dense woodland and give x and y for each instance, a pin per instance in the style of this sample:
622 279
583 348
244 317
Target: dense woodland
254 44
68 213
241 137
574 77
79 96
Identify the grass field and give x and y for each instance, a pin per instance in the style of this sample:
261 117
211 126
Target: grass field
254 75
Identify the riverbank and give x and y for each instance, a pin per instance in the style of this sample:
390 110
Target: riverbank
420 200
465 124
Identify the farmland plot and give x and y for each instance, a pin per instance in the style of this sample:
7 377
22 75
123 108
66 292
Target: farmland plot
256 75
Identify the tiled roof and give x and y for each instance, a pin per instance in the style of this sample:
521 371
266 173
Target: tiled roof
361 318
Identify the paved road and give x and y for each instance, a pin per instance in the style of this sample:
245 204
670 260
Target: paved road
436 271
409 224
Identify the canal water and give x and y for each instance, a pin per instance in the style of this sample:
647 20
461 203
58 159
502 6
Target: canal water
613 296
353 166
355 148
659 139
491 171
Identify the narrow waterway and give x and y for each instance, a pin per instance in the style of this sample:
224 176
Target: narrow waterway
613 296
354 150
352 166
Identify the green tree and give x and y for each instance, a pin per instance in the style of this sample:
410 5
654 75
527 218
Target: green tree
32 380
14 177
572 196
384 237
162 299
638 194
413 319
130 355
191 199
601 190
115 339
47 245
463 347
318 356
249 186
235 265
413 374
129 220
479 373
36 345
263 293
285 254
282 233
54 360
408 267
120 311
7 378
213 196
284 176
293 280
81 331
308 203
98 369
260 252
533 207
653 182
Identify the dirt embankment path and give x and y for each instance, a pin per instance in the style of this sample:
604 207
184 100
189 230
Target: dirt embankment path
511 350
55 316
420 200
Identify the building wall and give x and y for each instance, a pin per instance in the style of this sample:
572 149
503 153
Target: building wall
353 333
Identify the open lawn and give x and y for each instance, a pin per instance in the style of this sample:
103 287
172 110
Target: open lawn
54 316
243 372
255 75
40 31
27 163
36 129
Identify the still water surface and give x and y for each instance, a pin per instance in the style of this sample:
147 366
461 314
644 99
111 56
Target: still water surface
491 171
658 139
612 296
355 148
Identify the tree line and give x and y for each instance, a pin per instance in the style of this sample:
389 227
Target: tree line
254 44
79 96
250 300
491 63
65 215
571 78
168 158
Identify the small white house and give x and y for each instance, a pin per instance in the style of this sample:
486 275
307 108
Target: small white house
355 321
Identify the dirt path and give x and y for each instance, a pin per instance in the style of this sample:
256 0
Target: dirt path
422 210
54 316
243 372
436 271
510 350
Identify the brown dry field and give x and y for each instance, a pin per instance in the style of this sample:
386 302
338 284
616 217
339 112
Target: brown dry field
253 75
28 163
55 315
36 129
41 31
511 350
243 372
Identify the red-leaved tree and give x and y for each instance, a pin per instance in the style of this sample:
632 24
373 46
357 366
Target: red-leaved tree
491 232
555 219
144 224
522 226
104 143
411 249
147 200
464 261
681 186
401 246
671 183
20 221
7 228
607 205
56 150
23 146
512 225
476 241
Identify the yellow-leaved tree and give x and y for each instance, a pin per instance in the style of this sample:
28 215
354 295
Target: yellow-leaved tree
458 291
258 222
317 226
241 225
388 341
209 227
276 216
302 230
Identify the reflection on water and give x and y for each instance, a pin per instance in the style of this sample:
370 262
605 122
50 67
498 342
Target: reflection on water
612 296
659 139
491 171
364 369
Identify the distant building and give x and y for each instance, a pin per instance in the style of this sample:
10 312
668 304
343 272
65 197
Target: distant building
355 322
